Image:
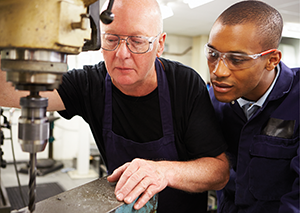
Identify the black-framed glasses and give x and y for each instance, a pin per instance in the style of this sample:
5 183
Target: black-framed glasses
233 61
136 44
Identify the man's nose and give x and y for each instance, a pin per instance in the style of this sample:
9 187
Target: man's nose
122 50
221 70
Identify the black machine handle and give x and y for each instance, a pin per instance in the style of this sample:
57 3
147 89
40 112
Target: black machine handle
95 42
106 17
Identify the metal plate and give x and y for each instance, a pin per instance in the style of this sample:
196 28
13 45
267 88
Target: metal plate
96 196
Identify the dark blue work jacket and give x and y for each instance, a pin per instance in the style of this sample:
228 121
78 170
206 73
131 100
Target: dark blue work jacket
264 151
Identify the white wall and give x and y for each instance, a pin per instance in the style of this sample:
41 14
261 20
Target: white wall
176 45
290 48
199 59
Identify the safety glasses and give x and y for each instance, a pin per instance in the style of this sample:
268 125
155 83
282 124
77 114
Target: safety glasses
233 61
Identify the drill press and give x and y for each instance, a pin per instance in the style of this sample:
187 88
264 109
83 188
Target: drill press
35 38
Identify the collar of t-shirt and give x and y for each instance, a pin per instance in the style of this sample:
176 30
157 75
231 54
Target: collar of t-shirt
262 100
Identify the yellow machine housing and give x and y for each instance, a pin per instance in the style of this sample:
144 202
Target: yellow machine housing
44 24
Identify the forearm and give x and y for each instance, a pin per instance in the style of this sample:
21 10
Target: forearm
198 175
9 97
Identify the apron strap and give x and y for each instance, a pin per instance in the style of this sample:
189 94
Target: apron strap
164 99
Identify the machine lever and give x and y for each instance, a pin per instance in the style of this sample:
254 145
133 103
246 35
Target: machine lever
95 42
107 16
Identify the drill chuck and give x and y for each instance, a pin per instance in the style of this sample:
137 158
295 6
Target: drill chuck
33 124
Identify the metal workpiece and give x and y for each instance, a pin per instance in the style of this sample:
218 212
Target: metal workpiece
96 196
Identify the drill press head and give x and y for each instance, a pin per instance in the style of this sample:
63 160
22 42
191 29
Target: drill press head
35 39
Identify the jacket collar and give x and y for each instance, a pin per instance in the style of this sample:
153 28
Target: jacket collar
283 83
282 86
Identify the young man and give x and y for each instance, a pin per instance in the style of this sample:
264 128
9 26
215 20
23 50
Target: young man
152 118
263 139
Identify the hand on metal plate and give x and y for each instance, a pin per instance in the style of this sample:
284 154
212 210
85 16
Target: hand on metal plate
139 177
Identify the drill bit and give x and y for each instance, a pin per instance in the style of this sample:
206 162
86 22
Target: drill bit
32 182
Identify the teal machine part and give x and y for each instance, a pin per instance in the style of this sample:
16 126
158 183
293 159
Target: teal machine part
150 207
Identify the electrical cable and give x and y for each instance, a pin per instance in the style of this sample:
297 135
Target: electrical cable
15 165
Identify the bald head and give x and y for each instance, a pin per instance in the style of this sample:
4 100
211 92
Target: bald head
267 20
145 12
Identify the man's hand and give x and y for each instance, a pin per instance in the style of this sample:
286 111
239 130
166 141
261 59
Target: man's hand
139 177
147 178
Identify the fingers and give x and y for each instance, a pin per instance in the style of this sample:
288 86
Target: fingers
138 189
129 179
117 173
145 197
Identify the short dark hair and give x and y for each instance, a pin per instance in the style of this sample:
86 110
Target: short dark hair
267 19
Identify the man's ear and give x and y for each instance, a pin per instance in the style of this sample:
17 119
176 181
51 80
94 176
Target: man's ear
161 44
273 60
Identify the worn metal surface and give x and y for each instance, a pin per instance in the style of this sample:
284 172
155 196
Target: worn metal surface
96 196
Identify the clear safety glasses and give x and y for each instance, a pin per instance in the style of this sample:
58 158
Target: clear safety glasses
233 61
136 44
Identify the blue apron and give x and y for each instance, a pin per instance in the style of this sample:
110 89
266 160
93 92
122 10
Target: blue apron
120 150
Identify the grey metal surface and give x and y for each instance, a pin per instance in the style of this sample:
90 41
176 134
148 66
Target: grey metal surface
4 201
96 196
